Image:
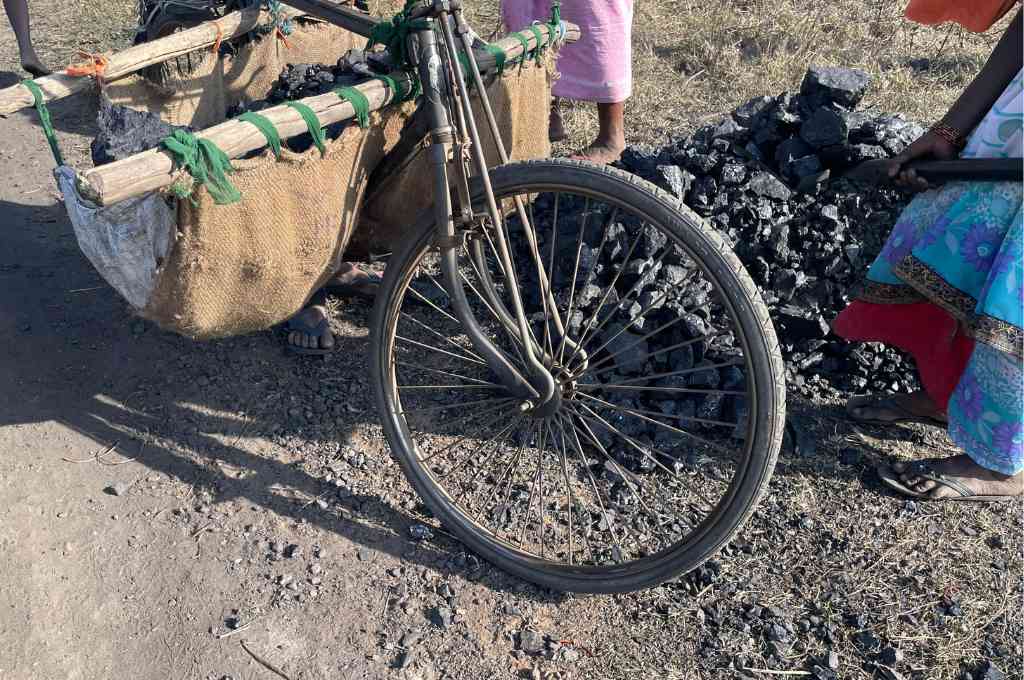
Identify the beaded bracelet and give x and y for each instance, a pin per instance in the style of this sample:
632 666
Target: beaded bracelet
950 134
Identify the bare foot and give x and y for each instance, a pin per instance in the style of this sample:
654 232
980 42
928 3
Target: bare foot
309 329
961 470
602 152
896 408
353 281
34 65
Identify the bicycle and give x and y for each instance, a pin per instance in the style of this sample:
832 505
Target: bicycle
594 405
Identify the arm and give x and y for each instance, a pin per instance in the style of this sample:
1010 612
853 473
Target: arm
969 109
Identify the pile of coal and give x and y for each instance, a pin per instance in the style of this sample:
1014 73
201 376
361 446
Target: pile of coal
298 81
768 177
124 132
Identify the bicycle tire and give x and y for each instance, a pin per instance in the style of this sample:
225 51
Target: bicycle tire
735 286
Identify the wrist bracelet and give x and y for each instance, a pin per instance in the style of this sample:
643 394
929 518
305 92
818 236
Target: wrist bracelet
950 134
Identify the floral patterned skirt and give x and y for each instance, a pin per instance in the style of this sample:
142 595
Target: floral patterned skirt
948 287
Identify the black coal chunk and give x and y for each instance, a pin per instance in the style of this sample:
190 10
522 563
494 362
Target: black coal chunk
124 132
824 128
833 85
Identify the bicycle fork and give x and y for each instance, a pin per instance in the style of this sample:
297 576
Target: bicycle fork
537 387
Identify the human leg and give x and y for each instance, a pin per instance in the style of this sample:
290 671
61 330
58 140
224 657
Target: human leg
17 13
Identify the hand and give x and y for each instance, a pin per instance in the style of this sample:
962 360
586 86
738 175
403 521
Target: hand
928 145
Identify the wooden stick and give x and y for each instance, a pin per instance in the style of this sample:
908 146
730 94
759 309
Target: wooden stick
154 169
134 59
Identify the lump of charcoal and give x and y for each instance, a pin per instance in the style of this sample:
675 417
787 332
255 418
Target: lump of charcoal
681 359
629 350
673 178
790 150
858 153
673 274
778 241
711 407
729 129
786 281
640 160
640 273
785 112
745 114
733 174
808 166
702 193
124 132
705 379
767 184
834 85
652 240
700 163
825 127
801 324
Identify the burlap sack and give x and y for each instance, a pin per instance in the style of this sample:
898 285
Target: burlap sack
521 100
201 97
247 266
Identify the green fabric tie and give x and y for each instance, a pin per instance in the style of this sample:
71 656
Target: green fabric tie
360 104
539 37
263 124
44 118
394 34
313 123
499 57
525 42
399 93
207 164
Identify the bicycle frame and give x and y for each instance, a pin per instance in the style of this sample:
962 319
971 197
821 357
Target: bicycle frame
456 154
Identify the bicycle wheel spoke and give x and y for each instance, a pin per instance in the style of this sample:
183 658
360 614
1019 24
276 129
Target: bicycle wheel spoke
674 390
439 350
479 448
483 466
461 404
695 419
448 374
669 374
568 486
533 489
648 355
497 483
443 337
617 556
584 216
636 446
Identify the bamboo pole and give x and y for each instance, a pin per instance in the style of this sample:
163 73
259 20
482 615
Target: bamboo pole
134 59
154 169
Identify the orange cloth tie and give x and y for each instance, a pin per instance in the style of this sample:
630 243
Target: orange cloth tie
95 66
974 15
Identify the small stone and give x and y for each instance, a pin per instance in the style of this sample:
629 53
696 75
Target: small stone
442 617
733 174
364 554
292 551
420 532
117 489
676 180
531 642
315 569
833 660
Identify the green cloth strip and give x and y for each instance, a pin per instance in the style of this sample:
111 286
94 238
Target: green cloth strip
207 164
263 124
360 104
313 123
44 118
499 57
539 37
525 42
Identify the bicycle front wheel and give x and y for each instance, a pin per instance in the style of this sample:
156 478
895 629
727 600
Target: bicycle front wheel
670 393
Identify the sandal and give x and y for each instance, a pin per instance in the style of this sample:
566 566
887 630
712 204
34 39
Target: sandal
902 413
892 479
317 329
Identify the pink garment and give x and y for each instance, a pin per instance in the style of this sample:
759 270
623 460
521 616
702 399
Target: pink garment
597 68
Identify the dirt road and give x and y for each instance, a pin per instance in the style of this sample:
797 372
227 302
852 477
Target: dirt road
243 514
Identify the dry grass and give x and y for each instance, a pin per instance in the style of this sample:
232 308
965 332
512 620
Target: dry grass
693 59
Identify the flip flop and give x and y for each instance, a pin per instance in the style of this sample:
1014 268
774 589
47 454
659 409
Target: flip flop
891 479
364 288
903 415
317 329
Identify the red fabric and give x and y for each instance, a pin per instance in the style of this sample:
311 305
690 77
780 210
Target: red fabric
925 331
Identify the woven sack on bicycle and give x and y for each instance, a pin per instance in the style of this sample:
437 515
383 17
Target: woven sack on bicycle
521 100
199 92
206 270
